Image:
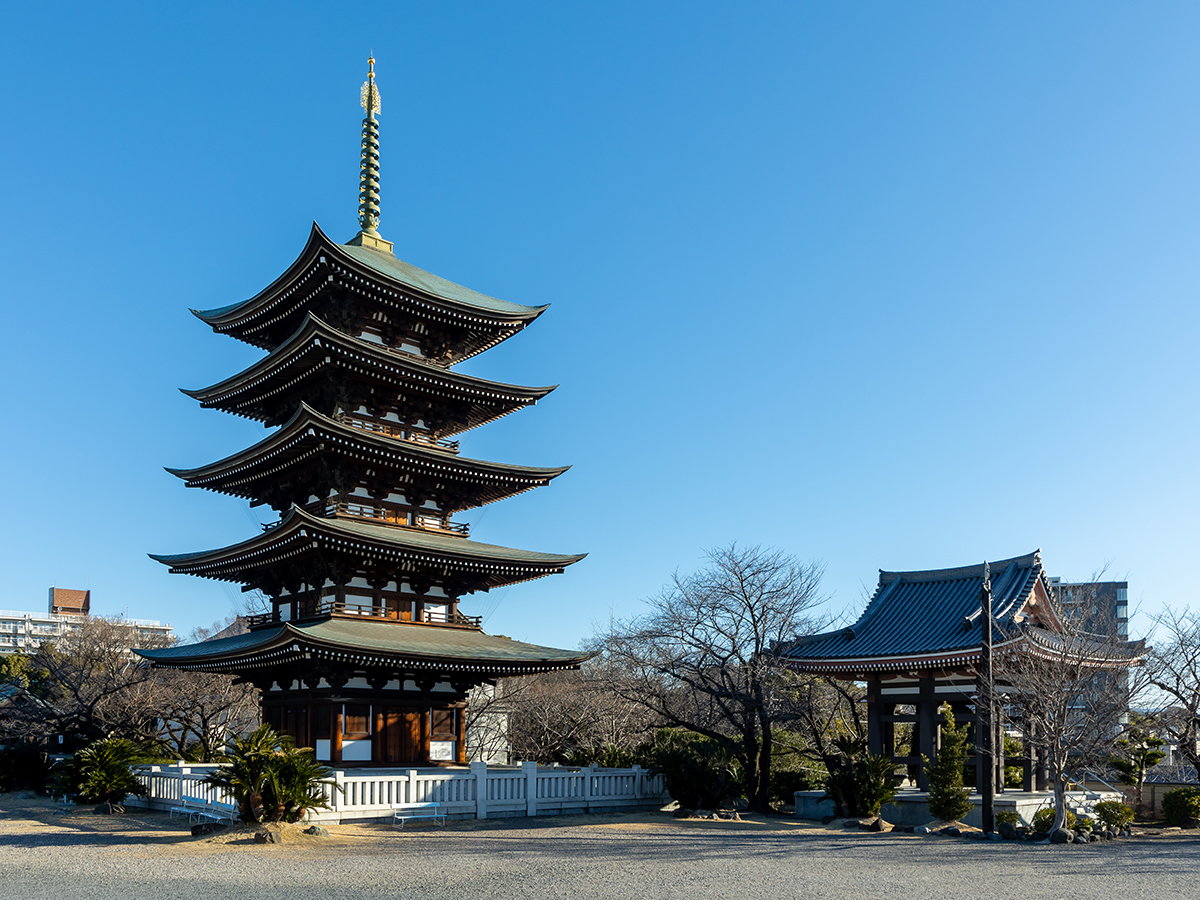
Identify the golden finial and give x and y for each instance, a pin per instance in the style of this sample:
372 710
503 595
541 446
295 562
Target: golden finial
368 179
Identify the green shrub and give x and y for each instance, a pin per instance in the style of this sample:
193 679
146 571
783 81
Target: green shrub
699 772
270 779
948 799
1085 823
1113 814
1044 818
1181 803
859 784
101 772
1011 816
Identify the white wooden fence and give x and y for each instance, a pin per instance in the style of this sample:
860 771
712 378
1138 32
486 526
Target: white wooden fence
481 792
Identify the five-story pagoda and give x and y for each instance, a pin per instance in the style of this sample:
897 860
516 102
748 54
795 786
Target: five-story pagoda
364 654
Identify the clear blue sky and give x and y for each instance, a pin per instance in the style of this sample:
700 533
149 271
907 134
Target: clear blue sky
886 285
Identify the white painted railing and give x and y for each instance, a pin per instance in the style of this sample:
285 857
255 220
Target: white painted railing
479 792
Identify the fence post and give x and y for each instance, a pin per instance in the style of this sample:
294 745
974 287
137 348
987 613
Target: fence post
586 773
530 770
180 798
412 787
339 780
637 782
479 770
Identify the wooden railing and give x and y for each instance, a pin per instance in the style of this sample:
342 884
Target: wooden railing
365 510
402 433
478 792
329 606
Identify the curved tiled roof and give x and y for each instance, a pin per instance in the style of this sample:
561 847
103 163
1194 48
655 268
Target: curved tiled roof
369 642
379 279
306 434
299 532
926 612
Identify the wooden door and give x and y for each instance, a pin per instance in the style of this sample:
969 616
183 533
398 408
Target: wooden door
402 735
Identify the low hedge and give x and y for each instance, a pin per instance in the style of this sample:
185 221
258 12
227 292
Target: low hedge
1180 804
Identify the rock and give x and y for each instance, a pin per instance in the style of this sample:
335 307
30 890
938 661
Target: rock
206 828
268 836
106 809
682 813
1190 822
1126 833
975 835
1082 838
880 826
922 829
1007 831
1062 836
741 804
24 795
825 820
317 831
951 831
865 824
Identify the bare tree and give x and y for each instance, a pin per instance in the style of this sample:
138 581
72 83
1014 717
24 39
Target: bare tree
1173 668
88 685
1070 689
705 657
86 680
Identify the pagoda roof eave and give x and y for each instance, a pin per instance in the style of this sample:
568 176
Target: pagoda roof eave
316 328
307 425
397 645
299 531
395 281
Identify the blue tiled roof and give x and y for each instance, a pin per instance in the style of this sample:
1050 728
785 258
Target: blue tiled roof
917 613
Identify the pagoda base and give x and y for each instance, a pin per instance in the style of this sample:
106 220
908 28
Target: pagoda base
358 726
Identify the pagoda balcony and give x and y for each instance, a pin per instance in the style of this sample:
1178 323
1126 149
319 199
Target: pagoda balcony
330 607
401 433
392 517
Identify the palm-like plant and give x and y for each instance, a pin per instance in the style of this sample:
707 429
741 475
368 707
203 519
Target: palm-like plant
271 779
102 773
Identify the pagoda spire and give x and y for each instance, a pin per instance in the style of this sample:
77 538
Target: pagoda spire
368 178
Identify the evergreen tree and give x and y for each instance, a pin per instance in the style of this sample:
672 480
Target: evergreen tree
948 799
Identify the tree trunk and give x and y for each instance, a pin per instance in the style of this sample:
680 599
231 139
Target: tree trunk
762 801
1060 801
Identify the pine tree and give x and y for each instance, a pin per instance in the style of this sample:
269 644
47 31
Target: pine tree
948 799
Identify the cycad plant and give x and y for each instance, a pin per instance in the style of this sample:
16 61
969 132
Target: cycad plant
101 772
859 783
271 779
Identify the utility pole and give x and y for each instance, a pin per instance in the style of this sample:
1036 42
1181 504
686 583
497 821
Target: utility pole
985 708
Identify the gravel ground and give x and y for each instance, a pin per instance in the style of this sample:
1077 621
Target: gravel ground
145 855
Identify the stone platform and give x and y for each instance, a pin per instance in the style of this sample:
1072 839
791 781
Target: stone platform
912 807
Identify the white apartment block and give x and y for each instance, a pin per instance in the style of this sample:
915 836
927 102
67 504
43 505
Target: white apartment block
24 632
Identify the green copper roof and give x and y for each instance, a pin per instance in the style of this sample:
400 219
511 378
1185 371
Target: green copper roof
397 642
387 536
406 273
384 264
304 438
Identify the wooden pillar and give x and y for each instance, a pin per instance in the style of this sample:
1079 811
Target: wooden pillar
999 745
927 727
1028 760
1042 777
874 711
887 731
335 732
